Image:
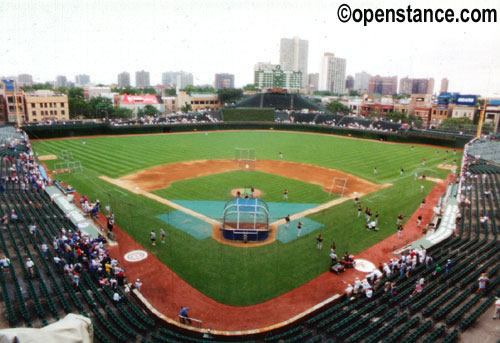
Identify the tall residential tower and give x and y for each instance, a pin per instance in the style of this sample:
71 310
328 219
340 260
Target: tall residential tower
294 56
332 74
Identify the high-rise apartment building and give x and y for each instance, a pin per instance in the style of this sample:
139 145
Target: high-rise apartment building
142 79
361 81
313 81
416 86
82 80
349 82
332 74
24 80
61 81
294 56
444 86
224 80
264 66
385 85
177 79
124 79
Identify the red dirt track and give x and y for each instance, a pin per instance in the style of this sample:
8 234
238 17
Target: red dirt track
167 292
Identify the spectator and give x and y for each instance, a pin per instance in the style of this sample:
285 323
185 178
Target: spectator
5 262
183 315
138 284
31 267
483 283
497 309
349 290
418 288
448 266
116 297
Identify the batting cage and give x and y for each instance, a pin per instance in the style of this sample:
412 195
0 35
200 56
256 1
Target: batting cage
245 157
245 220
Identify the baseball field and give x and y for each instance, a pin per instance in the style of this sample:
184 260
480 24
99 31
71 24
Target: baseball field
178 168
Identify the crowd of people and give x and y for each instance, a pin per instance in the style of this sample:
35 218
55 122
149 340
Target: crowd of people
75 251
404 266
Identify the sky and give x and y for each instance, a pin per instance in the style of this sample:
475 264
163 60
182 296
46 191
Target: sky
46 38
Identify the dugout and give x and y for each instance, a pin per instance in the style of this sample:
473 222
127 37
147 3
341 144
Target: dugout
245 220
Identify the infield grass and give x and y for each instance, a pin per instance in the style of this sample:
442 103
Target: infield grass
218 187
239 276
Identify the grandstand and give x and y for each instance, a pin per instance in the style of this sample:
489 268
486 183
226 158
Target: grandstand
447 306
278 100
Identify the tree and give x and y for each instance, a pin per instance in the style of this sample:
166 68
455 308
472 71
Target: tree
195 89
148 90
100 107
337 107
62 90
171 91
76 93
125 90
227 95
397 117
327 93
37 86
457 121
400 96
414 119
186 108
250 87
121 112
148 111
353 92
78 108
373 115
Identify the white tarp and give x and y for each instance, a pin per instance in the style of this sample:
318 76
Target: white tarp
73 328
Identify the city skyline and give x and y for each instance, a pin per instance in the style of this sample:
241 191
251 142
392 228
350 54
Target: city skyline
181 38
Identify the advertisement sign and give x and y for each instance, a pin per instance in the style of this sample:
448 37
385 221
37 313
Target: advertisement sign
467 100
8 85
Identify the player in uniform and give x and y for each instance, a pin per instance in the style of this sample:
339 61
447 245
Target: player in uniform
153 237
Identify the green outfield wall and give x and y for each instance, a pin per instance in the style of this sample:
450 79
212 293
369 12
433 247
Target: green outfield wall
61 131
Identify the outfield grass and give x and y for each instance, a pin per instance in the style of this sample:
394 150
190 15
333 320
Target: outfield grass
219 186
239 276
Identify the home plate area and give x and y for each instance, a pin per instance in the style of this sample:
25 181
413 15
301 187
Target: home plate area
200 229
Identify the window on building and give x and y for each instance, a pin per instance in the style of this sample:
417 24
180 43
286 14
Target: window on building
10 99
50 105
33 113
32 105
62 104
62 112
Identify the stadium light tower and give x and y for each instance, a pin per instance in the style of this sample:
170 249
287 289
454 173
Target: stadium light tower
481 118
18 117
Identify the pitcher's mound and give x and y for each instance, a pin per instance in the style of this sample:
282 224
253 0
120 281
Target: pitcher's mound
256 192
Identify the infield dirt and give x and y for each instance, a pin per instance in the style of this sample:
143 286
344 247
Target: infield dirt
162 176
